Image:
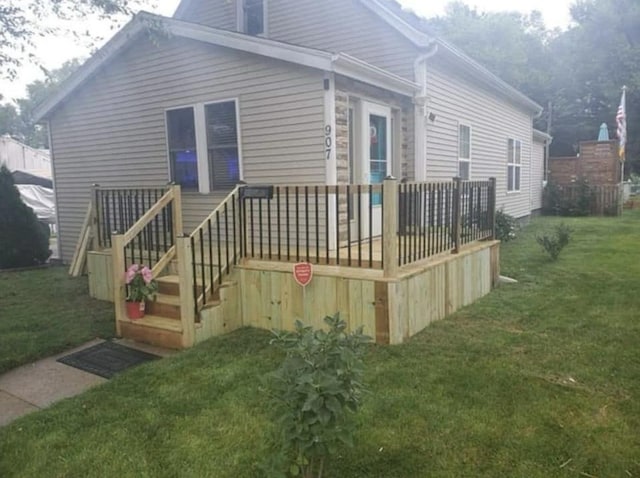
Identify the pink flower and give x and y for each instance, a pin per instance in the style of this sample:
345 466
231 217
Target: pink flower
146 274
131 273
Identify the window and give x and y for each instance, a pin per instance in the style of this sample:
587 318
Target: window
252 16
222 144
183 158
464 152
514 164
204 147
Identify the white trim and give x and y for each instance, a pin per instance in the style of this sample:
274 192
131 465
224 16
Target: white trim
55 192
516 165
239 133
341 63
201 149
329 153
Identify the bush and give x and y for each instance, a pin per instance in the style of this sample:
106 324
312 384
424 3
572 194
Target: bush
574 201
553 244
506 226
23 241
315 394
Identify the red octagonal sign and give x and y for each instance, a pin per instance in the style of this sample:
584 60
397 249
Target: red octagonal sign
303 272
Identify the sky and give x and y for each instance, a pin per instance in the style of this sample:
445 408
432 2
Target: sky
54 51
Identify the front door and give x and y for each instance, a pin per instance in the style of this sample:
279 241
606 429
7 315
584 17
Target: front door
375 163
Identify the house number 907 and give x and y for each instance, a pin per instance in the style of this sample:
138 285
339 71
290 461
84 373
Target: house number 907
328 141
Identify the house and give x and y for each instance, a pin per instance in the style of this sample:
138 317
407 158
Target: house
325 100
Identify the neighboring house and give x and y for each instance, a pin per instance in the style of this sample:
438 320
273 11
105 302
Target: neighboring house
284 91
20 157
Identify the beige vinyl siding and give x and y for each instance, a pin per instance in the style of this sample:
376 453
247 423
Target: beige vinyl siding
331 25
537 174
454 99
112 130
214 13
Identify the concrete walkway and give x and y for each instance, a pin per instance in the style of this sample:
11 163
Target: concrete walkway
38 385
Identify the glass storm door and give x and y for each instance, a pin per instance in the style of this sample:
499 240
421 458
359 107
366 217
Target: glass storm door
376 163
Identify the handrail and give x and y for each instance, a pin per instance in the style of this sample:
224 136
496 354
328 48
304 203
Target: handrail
217 210
148 216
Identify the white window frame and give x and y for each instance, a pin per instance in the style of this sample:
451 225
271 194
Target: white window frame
240 23
460 158
514 164
202 148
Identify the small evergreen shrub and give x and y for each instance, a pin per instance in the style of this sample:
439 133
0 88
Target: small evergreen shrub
559 202
553 243
23 240
315 394
506 226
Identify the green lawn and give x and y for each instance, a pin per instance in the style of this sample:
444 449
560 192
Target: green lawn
539 379
43 312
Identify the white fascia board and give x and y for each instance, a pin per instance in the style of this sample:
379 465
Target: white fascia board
251 44
541 136
416 37
351 67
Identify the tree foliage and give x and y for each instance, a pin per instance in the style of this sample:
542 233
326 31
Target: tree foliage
18 122
23 240
21 21
580 71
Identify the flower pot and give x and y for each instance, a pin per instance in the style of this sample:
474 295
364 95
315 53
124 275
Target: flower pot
135 310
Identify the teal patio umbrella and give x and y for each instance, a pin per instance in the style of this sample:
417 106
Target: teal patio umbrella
603 135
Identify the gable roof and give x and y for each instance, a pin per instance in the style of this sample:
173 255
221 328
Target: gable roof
339 63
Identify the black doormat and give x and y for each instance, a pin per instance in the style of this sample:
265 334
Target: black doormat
106 359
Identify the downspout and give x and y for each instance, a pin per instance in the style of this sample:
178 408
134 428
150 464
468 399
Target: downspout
420 112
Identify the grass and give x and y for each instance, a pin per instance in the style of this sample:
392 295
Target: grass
539 379
43 312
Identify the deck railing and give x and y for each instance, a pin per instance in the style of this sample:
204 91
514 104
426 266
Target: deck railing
143 242
383 226
208 254
118 209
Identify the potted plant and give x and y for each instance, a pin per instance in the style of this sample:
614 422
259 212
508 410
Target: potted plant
141 286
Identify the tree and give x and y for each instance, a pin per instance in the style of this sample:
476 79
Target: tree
23 241
22 20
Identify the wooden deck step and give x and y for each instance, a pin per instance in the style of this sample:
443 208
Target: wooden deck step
165 306
169 285
154 330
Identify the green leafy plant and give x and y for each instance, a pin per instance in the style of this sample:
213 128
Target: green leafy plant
141 283
575 200
506 226
23 240
315 394
553 243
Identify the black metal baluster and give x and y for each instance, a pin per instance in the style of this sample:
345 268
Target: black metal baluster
235 241
226 237
157 229
371 225
349 224
164 230
210 262
286 200
260 227
195 274
297 192
358 215
306 219
337 189
317 226
202 271
382 239
250 223
219 251
269 226
279 225
326 221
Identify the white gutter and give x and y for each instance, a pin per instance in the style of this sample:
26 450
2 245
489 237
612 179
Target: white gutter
420 111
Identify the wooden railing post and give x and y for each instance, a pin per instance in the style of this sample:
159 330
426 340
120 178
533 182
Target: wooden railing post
456 216
187 300
178 228
390 226
118 271
492 207
96 214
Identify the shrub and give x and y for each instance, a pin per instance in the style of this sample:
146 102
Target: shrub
315 393
23 241
506 226
553 244
568 201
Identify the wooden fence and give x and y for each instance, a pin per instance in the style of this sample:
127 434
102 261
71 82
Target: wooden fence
583 199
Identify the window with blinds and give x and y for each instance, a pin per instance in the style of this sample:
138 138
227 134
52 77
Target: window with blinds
183 158
222 144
